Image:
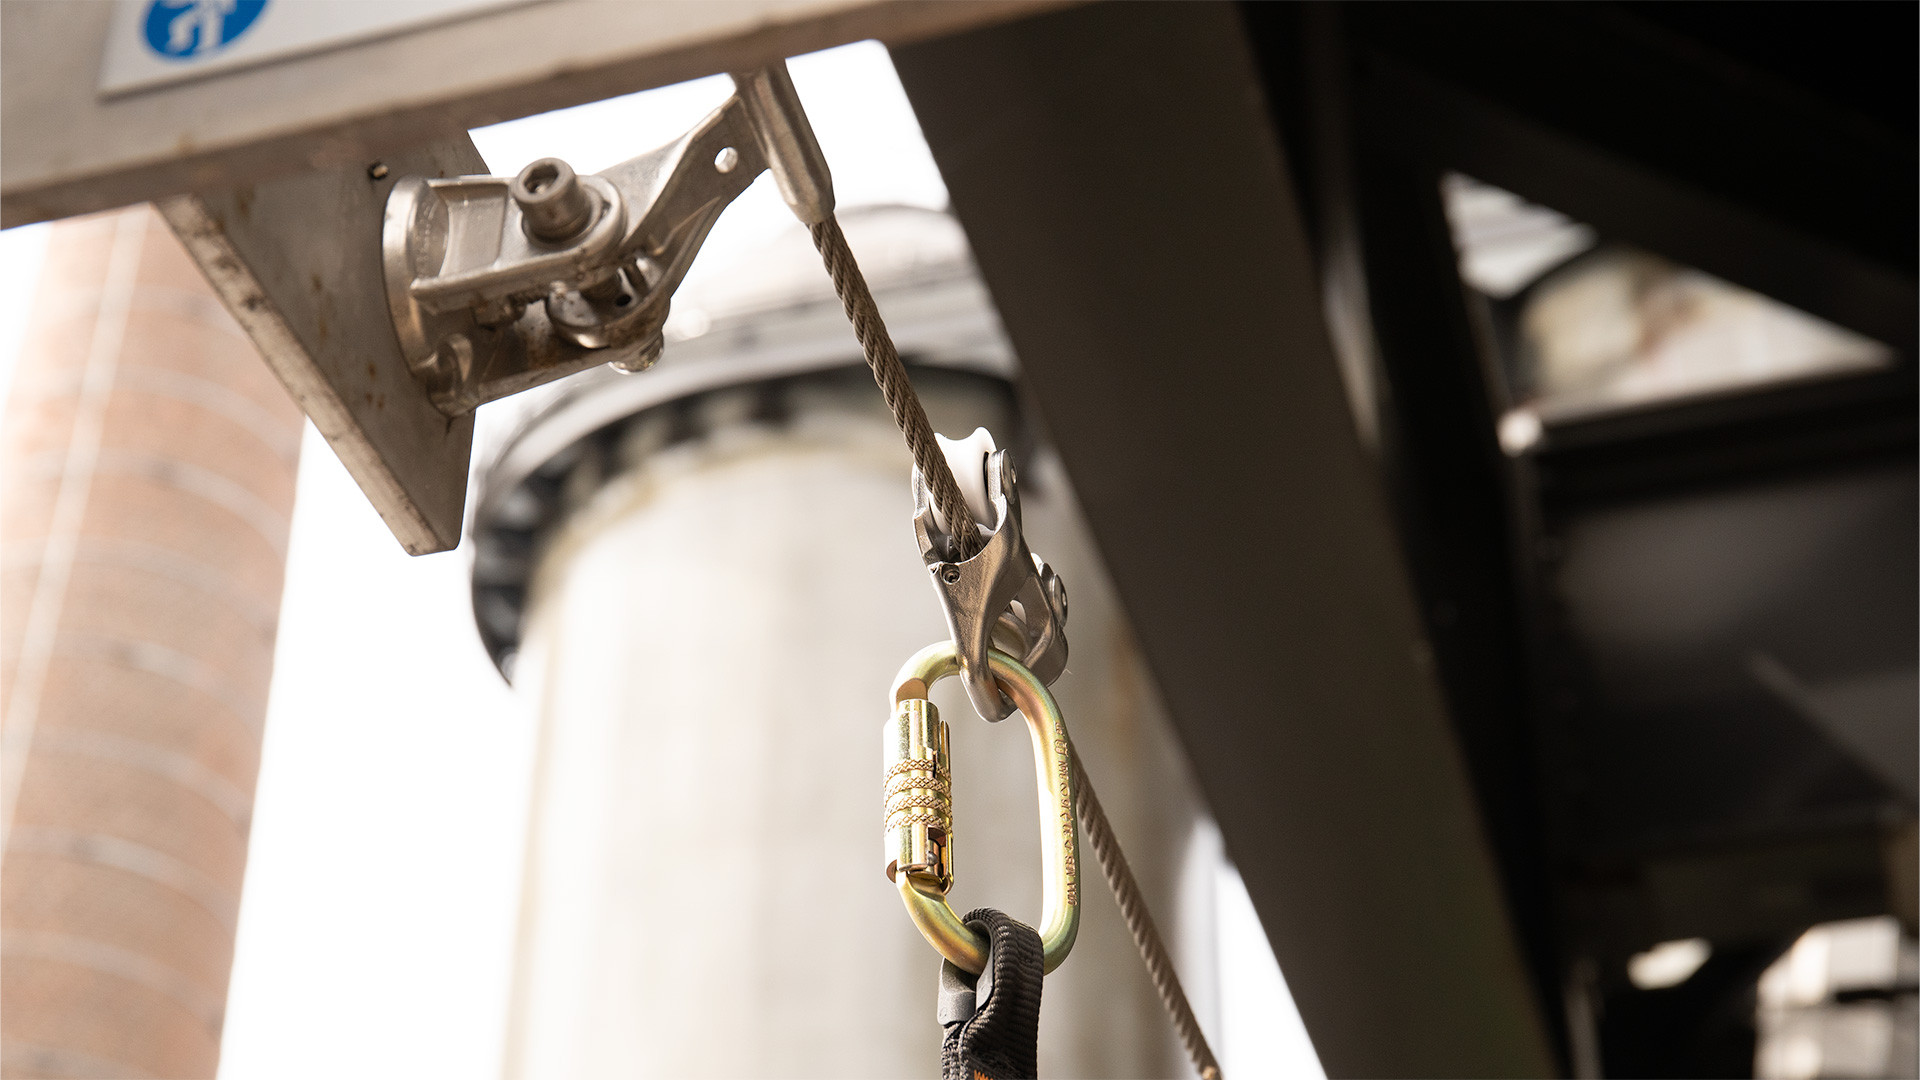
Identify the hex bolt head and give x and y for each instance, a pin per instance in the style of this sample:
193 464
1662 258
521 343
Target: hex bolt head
556 206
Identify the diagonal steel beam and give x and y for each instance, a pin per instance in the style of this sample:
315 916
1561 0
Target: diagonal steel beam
1119 176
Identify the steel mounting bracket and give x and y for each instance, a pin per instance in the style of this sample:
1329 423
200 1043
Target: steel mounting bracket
497 284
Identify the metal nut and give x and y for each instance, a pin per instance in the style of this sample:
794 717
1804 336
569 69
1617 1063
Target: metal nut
647 354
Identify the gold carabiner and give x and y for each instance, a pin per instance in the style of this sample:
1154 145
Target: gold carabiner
919 807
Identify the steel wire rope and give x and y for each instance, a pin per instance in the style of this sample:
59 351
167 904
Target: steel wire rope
891 375
1133 909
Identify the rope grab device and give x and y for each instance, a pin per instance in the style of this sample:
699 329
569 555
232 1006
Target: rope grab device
498 284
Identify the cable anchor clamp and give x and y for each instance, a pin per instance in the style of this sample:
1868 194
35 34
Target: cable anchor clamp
496 284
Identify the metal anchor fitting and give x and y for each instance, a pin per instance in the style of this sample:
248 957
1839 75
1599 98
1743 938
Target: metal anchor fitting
1004 594
919 807
497 284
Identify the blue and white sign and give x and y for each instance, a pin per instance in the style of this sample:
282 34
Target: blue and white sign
188 29
155 42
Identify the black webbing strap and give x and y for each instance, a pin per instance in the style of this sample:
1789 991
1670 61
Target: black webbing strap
993 1020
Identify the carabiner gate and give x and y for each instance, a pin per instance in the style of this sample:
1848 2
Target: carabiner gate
919 807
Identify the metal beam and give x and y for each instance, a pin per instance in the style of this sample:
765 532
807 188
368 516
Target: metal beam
297 260
1633 201
66 149
1119 177
1773 182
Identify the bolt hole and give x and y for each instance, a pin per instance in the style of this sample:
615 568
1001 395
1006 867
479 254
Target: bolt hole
540 178
726 159
622 300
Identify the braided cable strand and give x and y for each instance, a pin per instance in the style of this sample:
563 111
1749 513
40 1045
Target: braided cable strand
891 374
1133 908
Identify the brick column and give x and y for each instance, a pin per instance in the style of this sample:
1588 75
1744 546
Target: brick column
147 460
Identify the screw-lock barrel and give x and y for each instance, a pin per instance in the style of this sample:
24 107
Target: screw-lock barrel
919 795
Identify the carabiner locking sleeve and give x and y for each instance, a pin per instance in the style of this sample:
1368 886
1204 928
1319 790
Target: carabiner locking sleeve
919 807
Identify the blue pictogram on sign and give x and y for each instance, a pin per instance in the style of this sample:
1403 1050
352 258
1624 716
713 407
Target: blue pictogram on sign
187 29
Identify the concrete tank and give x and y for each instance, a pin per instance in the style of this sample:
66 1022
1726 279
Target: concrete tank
704 578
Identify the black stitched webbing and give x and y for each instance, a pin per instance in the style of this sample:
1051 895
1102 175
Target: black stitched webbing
998 1036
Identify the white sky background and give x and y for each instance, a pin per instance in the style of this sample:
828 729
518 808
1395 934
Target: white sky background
21 251
382 883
